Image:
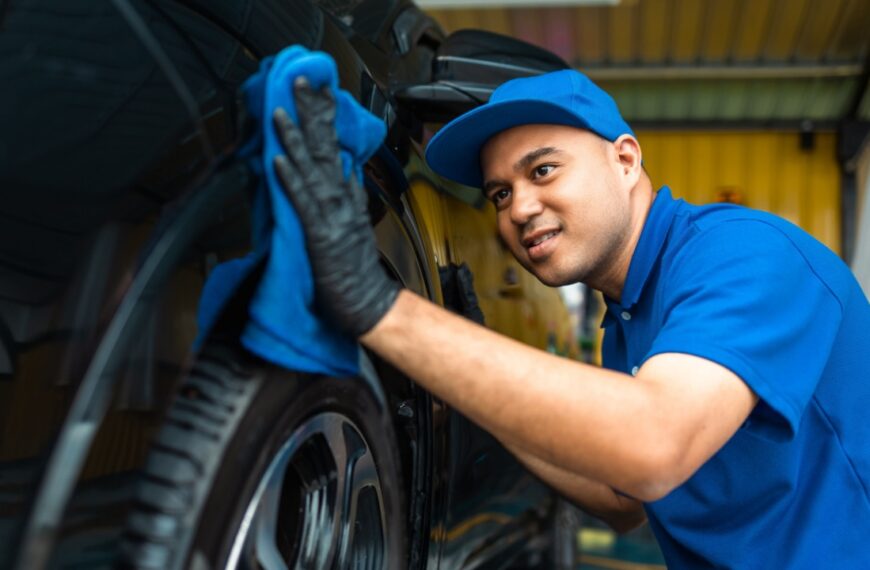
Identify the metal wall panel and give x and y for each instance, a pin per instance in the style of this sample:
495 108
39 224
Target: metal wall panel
684 31
767 170
747 61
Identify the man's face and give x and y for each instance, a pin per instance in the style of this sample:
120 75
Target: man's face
563 209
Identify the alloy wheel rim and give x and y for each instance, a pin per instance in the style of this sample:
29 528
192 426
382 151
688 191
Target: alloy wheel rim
319 504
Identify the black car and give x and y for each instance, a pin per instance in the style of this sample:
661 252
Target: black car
120 444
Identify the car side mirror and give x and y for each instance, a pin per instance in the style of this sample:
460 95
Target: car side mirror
467 68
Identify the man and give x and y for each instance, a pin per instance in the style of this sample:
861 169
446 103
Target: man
737 347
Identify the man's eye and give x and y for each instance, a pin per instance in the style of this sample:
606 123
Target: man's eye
499 196
543 170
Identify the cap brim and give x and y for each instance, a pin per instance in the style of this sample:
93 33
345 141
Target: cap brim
454 151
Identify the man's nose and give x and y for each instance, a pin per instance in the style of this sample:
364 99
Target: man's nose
525 204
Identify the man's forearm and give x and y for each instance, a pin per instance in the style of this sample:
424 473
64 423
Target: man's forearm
621 513
581 418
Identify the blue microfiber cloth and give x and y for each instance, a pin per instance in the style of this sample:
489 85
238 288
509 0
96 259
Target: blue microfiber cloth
283 327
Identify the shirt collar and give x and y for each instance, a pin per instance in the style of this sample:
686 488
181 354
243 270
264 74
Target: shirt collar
652 238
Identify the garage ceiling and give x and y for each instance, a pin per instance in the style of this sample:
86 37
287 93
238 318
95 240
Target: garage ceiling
789 63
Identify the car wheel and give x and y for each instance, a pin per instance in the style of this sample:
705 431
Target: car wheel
258 467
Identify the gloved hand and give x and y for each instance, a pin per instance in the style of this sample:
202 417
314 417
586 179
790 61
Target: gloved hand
351 287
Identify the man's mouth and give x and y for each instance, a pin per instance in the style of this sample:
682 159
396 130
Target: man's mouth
540 245
543 238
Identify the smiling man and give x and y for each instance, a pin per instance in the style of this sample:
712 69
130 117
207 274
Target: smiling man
535 176
737 369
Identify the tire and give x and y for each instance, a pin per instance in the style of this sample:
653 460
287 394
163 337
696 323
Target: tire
258 467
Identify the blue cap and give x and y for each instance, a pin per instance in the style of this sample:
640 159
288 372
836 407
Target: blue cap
565 97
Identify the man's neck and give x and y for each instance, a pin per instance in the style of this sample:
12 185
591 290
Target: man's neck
612 283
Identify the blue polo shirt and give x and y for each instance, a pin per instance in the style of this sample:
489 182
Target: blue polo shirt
756 294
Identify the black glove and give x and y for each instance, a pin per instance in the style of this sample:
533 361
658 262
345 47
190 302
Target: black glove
351 288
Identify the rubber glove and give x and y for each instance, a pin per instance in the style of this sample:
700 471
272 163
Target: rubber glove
352 289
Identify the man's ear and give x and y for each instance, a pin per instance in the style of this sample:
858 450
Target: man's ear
630 157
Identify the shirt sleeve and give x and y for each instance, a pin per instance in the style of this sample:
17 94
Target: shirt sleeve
742 295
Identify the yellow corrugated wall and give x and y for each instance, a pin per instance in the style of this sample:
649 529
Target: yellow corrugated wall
768 170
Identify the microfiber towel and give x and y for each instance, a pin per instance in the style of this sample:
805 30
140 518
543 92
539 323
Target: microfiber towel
283 326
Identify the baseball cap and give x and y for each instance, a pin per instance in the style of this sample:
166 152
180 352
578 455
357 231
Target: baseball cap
565 97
